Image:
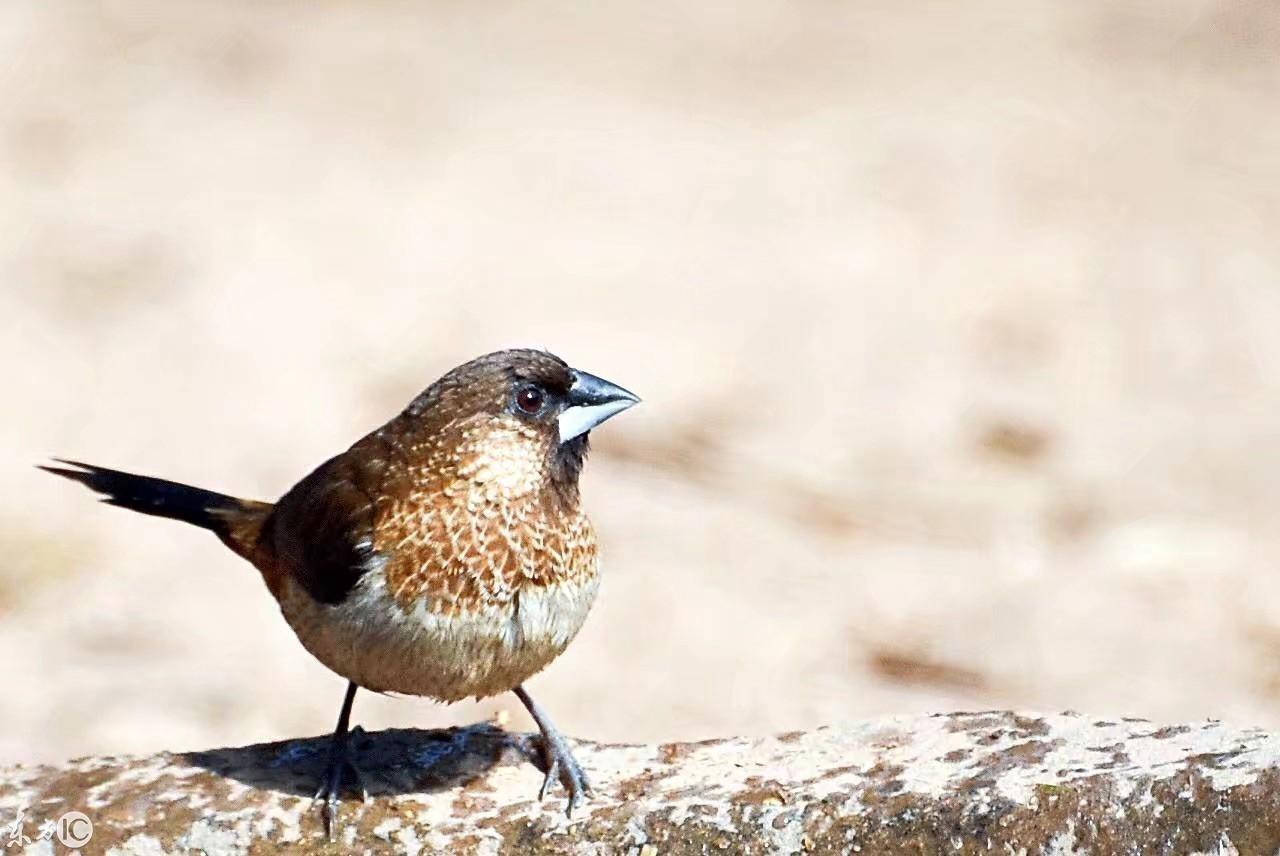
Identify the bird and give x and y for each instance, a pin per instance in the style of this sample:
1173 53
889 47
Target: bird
445 554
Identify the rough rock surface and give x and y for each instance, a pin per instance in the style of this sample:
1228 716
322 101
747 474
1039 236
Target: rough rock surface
994 782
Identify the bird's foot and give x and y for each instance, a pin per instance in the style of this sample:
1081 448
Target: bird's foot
340 769
559 763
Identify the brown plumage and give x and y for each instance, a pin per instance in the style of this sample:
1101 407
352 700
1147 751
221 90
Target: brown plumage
445 554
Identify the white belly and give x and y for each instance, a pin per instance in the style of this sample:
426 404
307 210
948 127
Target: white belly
371 639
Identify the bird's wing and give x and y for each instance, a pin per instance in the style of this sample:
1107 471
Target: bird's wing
323 529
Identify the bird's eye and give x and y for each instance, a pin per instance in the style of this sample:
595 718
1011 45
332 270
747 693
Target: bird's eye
529 399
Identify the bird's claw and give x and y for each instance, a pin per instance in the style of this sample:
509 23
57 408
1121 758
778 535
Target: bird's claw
560 764
341 767
553 772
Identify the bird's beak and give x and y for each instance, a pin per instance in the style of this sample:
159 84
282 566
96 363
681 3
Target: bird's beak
592 400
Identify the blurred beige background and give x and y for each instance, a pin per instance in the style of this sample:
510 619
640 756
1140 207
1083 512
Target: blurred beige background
958 328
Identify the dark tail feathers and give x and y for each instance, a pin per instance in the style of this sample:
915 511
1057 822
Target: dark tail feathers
237 522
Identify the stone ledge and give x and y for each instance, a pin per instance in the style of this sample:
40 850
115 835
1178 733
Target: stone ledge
995 782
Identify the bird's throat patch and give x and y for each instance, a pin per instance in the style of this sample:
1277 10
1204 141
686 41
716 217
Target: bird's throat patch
503 460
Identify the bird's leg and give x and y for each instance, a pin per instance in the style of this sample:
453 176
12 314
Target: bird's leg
340 764
557 756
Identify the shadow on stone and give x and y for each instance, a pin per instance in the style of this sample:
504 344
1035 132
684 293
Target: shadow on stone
393 762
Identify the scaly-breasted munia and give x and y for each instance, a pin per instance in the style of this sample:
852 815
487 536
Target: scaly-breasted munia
445 554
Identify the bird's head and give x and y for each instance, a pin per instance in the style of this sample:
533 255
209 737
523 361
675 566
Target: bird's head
515 420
